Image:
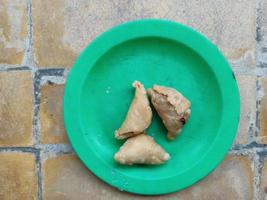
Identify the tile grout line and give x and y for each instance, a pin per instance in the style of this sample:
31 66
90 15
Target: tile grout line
243 70
257 167
39 175
37 78
36 95
259 36
257 157
258 20
9 67
260 168
55 70
29 62
5 66
19 149
259 70
36 129
52 150
62 148
250 146
60 70
52 72
258 105
59 148
258 32
28 59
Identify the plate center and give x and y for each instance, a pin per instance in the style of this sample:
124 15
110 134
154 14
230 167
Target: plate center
107 94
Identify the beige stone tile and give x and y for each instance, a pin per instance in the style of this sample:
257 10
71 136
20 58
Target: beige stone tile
65 177
63 28
48 28
16 108
247 90
233 179
17 176
13 31
263 113
51 115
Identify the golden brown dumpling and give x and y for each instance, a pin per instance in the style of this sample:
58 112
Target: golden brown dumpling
141 149
139 114
172 107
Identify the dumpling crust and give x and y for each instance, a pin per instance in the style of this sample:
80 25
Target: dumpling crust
139 115
141 149
172 107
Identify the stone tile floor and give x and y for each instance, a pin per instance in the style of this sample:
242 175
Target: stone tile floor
39 40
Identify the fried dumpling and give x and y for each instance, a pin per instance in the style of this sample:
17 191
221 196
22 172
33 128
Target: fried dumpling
172 107
139 114
141 149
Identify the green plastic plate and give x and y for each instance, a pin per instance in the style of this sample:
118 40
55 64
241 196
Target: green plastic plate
98 93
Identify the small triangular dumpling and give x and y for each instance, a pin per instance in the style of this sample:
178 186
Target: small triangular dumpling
139 114
172 107
141 149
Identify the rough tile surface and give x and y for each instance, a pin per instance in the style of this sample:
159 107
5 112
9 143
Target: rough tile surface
13 31
17 176
63 28
263 112
247 89
16 108
65 177
51 119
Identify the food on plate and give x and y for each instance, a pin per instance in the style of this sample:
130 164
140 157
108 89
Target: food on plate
141 149
139 115
172 107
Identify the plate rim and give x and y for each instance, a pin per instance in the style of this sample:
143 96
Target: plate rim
170 30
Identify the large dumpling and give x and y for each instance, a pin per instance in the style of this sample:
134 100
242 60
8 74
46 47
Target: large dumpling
172 107
141 149
139 115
